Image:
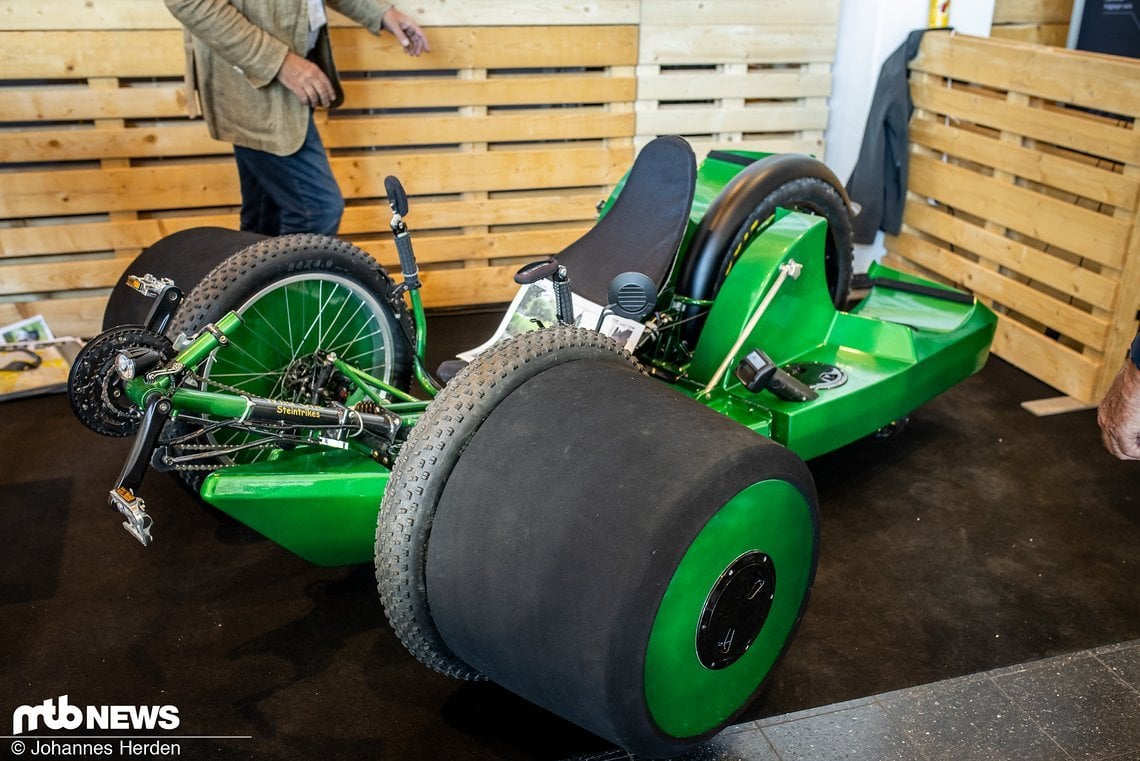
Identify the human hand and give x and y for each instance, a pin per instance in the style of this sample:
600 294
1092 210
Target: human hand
406 32
1119 414
306 80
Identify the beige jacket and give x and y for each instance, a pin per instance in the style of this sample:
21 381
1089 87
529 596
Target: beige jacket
234 49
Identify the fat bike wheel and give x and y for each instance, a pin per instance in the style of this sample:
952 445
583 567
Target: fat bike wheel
596 542
298 296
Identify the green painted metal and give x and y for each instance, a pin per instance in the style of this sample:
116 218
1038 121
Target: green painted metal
210 403
423 377
319 503
908 347
366 381
205 342
684 697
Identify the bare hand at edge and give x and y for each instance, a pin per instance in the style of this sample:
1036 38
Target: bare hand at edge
1119 414
306 80
406 32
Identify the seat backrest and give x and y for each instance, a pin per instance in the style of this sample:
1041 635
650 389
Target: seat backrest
644 228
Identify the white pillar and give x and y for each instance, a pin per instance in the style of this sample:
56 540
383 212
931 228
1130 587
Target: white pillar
869 31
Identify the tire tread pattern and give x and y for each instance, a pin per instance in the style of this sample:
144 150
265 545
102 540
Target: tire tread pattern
426 461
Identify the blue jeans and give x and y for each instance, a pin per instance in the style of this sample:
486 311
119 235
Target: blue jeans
289 194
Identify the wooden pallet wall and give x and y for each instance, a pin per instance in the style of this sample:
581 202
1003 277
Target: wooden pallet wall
1045 22
505 135
1024 187
752 74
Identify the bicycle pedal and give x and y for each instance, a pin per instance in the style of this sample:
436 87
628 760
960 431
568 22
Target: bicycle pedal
133 508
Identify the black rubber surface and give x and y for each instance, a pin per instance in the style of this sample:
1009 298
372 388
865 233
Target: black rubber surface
185 257
981 537
569 544
425 464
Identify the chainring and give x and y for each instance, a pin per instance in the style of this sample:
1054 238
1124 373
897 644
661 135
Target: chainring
95 390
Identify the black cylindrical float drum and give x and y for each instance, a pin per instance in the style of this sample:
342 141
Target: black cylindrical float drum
186 257
612 550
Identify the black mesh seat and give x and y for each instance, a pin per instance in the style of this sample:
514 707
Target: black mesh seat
643 230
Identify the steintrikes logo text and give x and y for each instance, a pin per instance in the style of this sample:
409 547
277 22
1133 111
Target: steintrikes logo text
58 714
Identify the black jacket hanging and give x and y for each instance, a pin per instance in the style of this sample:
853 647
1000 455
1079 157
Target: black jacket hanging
878 183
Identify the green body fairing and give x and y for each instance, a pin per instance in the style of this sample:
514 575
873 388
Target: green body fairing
898 349
321 504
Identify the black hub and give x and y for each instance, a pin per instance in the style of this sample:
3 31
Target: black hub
95 388
314 380
736 610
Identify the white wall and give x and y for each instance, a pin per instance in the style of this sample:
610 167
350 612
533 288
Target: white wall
869 31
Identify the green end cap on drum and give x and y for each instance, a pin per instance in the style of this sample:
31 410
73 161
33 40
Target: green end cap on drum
745 579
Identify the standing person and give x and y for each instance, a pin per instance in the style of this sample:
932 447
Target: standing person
254 65
1119 412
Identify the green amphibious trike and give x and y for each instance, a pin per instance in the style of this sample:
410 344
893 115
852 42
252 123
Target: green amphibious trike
606 511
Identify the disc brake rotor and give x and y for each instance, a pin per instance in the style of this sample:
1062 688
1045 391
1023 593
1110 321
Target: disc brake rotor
96 391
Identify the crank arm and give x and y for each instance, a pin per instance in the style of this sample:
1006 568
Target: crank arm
123 497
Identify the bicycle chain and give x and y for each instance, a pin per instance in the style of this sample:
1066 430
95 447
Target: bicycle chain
203 382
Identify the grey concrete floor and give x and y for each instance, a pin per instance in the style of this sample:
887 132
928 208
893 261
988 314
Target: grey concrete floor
1079 707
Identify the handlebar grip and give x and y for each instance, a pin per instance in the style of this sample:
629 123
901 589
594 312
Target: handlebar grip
789 388
408 267
535 271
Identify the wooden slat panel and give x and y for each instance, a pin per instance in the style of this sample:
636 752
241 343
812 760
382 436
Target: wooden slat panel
1062 317
477 248
18 15
85 144
1081 231
766 118
191 139
64 103
80 316
808 143
1042 357
85 191
1088 286
454 287
761 83
80 55
730 12
513 126
1078 178
1072 130
498 13
151 14
88 272
84 54
391 92
770 43
101 272
491 48
1041 34
1068 76
1029 11
532 208
1053 236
